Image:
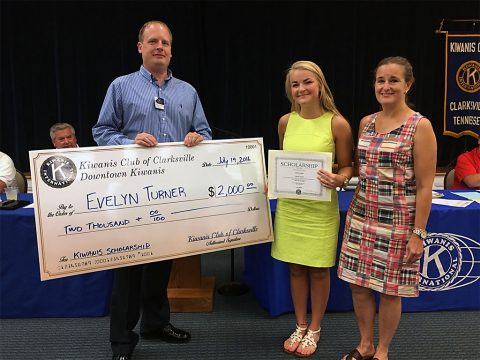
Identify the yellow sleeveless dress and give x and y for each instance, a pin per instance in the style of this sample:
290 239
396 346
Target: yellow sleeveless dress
306 231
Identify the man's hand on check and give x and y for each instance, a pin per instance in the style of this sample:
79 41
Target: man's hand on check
145 139
192 139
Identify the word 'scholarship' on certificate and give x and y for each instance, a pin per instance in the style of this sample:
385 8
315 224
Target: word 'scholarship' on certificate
294 174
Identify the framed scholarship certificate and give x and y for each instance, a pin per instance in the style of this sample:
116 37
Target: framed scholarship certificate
293 174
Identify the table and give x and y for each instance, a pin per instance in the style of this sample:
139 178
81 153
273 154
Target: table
450 267
22 294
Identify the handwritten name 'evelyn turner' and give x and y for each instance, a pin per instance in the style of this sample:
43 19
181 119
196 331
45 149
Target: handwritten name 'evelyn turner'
150 193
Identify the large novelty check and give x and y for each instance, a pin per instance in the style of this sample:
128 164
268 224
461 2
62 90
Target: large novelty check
99 208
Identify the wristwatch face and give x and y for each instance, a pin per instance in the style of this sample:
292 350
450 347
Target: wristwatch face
346 182
421 233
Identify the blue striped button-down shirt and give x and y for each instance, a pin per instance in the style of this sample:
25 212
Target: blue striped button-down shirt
129 109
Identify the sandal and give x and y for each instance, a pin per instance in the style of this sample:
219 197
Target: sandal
294 339
355 355
308 341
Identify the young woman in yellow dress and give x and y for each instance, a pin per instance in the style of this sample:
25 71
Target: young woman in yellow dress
306 231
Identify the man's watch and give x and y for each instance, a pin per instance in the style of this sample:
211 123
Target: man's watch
422 234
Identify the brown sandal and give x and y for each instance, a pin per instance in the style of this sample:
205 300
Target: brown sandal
355 355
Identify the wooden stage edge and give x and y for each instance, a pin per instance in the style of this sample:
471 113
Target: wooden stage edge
193 299
187 290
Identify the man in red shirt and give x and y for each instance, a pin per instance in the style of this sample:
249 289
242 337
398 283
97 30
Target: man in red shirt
467 170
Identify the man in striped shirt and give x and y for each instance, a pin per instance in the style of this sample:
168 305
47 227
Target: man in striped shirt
147 107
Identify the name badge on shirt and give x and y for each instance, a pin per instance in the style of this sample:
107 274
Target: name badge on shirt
159 103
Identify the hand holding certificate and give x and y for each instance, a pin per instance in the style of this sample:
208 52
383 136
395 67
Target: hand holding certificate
294 174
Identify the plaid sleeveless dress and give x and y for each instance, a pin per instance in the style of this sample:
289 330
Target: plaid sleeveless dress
381 216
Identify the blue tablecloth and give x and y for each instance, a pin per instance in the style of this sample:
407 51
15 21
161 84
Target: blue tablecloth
450 267
22 294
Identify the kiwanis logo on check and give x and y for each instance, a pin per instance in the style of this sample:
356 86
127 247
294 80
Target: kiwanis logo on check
58 171
450 261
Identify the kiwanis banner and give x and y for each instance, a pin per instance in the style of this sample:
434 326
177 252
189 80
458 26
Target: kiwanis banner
99 208
462 85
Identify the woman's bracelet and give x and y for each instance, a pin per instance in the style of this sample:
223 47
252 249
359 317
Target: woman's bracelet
345 182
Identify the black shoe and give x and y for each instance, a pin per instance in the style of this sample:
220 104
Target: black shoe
132 347
169 334
121 357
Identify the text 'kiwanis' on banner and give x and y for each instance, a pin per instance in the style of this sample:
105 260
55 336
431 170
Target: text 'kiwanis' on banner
462 85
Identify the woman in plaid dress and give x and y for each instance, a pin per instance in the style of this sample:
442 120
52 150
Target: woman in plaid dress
385 225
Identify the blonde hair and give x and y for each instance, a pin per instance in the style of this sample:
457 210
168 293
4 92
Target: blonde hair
148 23
325 96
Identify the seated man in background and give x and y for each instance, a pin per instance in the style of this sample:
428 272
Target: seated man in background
63 136
7 172
467 169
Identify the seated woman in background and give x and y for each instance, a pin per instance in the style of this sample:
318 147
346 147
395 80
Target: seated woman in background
467 169
7 172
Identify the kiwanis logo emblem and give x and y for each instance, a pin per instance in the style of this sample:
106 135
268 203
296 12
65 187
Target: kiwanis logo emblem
449 261
468 76
58 171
